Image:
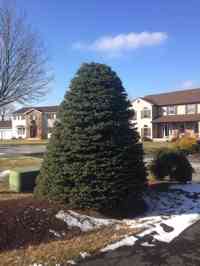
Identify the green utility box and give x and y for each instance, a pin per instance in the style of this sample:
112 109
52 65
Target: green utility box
23 180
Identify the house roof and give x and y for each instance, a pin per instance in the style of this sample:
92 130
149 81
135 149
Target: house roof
6 124
46 109
176 97
177 118
142 98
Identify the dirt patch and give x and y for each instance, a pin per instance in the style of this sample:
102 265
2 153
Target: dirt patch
26 221
30 233
59 252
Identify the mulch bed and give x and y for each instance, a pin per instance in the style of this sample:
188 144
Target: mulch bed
27 221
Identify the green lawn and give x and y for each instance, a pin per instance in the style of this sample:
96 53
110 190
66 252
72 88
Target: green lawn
12 163
151 147
24 142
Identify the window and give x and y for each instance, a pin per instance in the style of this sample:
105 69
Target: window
166 130
190 108
146 131
21 131
50 115
135 115
171 110
146 113
33 117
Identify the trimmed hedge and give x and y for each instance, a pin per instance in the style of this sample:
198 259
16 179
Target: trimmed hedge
23 181
172 164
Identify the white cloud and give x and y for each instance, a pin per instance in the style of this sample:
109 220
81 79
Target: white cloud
187 84
123 42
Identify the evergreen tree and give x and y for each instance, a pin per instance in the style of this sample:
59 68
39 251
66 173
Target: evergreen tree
94 158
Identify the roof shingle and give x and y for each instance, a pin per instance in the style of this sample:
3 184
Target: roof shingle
176 97
47 109
177 118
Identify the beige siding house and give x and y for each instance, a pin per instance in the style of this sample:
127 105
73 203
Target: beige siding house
33 122
168 115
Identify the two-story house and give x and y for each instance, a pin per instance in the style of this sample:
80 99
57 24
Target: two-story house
33 122
168 115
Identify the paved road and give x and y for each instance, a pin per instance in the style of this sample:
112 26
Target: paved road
13 150
183 251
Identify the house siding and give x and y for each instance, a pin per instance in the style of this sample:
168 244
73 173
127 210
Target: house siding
173 125
44 118
141 123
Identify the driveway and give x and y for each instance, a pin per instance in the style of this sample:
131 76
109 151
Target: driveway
184 250
14 150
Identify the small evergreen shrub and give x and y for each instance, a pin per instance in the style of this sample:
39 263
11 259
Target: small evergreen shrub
147 139
172 164
94 158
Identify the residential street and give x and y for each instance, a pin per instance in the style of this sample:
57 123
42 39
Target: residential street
184 250
14 150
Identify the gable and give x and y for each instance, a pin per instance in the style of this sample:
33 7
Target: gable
141 102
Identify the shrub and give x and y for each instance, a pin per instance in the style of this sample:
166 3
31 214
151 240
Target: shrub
172 164
147 139
94 158
187 144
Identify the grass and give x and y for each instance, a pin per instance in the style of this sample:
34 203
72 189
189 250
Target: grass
151 147
13 163
24 142
62 251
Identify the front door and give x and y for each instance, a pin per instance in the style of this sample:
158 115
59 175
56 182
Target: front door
33 129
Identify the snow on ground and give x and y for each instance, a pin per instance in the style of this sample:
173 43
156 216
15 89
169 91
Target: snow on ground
169 213
127 241
84 222
4 174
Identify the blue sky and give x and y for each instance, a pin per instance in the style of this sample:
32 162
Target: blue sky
154 46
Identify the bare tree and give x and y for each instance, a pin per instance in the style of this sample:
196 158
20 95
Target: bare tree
24 74
6 112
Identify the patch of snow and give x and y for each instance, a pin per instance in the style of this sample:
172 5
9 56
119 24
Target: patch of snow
127 241
170 212
36 264
84 222
179 223
72 262
84 255
55 233
4 174
192 188
146 244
